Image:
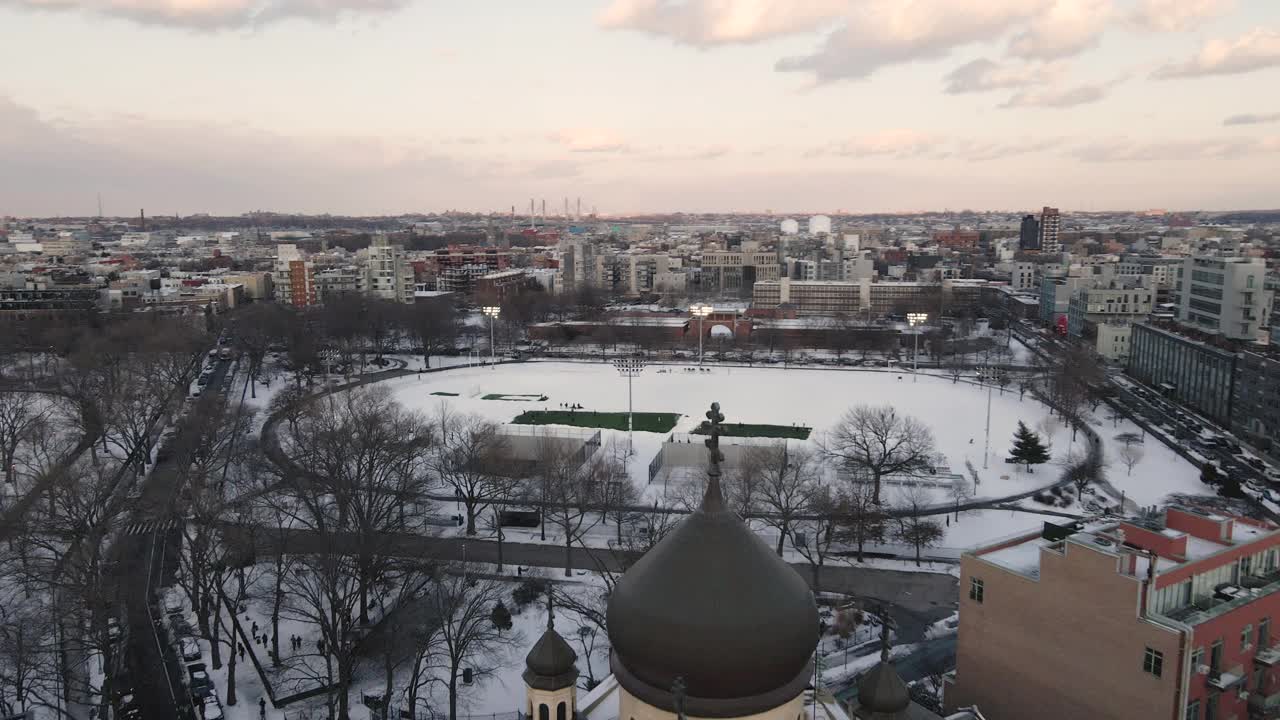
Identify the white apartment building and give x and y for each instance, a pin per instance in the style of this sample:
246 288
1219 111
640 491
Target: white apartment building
388 274
1023 277
1050 231
1113 341
1225 295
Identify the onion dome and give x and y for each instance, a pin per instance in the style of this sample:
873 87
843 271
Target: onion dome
713 612
551 664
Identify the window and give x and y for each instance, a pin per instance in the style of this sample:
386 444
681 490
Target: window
975 590
1211 708
1193 710
1264 632
1246 637
1153 662
1197 658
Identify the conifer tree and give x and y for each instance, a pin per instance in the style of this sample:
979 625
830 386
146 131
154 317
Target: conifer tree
1027 448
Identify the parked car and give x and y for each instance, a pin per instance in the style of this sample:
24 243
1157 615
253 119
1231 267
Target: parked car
212 709
190 648
180 624
201 685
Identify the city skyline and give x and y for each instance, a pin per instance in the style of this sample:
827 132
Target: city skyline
390 106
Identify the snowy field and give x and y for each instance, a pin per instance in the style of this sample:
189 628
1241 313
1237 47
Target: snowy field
955 412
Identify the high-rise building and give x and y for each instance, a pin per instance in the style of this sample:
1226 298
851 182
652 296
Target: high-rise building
1227 296
1050 230
1029 234
1168 616
388 275
293 277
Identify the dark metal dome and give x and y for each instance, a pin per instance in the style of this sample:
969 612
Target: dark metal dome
551 664
713 605
882 690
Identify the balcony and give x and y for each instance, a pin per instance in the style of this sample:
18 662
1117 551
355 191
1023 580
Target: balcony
1268 656
1227 598
1228 679
1264 707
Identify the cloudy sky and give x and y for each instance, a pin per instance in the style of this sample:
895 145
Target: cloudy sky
384 106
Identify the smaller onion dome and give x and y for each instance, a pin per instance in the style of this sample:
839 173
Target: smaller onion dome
551 664
882 691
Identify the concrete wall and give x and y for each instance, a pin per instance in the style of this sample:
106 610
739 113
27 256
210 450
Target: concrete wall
1064 646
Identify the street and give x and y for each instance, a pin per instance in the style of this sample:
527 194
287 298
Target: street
147 560
924 593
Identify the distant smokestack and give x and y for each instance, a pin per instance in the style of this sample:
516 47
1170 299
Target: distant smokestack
578 215
142 219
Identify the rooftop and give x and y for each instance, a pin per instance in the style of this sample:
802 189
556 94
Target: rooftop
1178 539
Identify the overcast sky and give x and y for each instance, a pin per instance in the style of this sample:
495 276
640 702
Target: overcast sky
387 106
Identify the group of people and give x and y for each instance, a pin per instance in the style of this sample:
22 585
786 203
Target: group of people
688 370
265 640
570 406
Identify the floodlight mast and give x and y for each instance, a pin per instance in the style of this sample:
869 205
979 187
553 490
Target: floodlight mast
629 368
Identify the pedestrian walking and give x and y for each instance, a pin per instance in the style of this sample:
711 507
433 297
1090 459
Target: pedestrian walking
255 627
242 653
262 708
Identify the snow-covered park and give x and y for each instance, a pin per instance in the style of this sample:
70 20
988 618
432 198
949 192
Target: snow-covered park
955 412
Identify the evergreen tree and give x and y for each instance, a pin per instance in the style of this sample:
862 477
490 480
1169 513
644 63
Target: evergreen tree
1209 474
501 617
1027 448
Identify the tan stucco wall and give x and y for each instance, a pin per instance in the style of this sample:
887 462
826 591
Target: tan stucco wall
535 697
1066 646
631 708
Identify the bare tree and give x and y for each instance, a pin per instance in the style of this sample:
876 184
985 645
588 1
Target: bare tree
323 590
960 491
21 415
819 524
472 457
435 327
462 604
617 494
863 519
28 667
955 366
571 498
368 454
914 527
878 442
786 487
1130 455
256 328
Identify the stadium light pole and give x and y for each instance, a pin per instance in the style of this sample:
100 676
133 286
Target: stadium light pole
986 451
492 311
701 310
914 319
629 368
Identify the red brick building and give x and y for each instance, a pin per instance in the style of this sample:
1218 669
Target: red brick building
957 239
1171 618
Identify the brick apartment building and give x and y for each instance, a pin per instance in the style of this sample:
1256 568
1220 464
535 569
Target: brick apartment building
1168 618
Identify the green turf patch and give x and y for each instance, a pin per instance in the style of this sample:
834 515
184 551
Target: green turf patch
791 432
445 394
644 422
515 398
